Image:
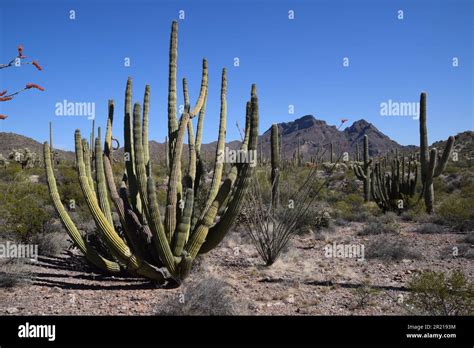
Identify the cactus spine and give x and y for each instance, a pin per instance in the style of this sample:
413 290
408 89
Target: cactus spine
363 172
431 167
275 154
160 250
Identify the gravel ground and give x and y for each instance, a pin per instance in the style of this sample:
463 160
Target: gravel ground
304 281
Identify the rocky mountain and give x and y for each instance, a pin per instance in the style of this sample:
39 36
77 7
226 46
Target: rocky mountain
312 134
463 145
10 141
316 135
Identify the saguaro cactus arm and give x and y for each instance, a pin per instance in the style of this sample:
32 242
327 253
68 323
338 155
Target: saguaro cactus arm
430 167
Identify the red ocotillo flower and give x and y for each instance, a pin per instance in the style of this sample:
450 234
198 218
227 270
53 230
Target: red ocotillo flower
2 99
20 52
37 65
2 117
344 120
3 93
33 85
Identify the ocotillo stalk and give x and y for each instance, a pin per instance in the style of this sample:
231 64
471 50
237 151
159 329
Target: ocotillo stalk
430 166
363 172
275 154
331 157
298 156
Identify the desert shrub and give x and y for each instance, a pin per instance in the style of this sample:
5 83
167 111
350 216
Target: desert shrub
469 238
352 207
271 227
376 227
317 217
389 218
24 209
69 187
50 243
13 272
435 293
210 296
363 294
456 210
11 173
430 229
389 249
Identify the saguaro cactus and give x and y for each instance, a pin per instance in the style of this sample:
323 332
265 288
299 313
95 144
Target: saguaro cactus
363 172
275 154
431 166
162 250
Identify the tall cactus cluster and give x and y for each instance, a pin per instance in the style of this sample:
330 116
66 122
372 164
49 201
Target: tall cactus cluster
391 191
275 174
431 166
363 172
25 157
162 250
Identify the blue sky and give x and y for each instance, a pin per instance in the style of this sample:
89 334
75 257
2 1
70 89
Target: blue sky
295 62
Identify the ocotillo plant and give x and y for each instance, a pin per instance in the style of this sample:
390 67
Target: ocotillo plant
392 191
160 250
19 60
275 154
431 166
363 172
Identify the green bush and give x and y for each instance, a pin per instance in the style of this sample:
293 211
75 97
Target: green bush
434 293
457 210
24 209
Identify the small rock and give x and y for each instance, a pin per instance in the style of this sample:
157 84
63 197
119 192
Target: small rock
12 310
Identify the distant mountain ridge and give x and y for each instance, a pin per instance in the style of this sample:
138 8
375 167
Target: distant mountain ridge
313 134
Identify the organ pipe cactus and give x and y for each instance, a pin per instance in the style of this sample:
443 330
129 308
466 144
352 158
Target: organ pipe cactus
160 249
431 166
392 191
275 154
363 171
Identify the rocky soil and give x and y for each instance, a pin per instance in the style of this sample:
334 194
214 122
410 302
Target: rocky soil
303 282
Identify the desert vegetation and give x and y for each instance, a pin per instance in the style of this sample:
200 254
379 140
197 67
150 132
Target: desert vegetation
336 229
